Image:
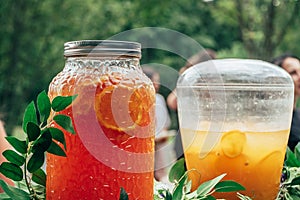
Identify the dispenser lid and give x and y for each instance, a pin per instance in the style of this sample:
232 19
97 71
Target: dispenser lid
235 72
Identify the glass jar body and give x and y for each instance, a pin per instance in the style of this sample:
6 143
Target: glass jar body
113 117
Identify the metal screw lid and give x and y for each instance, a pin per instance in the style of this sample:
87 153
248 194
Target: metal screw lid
102 48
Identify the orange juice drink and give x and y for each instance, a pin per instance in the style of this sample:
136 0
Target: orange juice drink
253 159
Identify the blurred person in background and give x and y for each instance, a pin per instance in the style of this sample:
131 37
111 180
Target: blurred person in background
202 56
162 124
291 64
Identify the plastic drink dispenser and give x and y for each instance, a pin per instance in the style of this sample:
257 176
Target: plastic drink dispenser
235 117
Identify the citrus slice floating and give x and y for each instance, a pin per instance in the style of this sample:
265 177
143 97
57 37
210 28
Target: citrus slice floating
232 143
113 112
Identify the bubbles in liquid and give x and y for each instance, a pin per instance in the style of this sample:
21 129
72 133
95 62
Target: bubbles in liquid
232 143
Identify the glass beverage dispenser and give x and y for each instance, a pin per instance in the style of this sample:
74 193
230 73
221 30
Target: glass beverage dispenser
235 117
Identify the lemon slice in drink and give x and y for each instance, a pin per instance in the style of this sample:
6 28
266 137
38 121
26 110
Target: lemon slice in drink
232 143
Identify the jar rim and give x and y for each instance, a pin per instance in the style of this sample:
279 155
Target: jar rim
102 48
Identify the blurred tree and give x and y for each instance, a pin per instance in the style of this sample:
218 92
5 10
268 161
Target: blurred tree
31 44
28 53
263 24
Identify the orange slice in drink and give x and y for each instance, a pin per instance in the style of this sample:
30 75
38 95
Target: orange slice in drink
123 107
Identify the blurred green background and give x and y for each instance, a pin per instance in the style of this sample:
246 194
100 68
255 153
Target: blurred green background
32 34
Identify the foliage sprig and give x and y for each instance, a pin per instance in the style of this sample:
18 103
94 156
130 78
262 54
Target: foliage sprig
24 163
290 179
289 187
182 190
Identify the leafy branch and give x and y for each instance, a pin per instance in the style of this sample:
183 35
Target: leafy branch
290 179
182 189
24 163
289 187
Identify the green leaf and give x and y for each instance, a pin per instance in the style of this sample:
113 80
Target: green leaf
29 115
40 190
296 181
209 197
291 159
43 142
59 103
168 195
33 131
207 186
179 189
13 157
287 196
36 161
295 197
56 150
188 186
11 171
123 194
192 195
17 144
228 186
4 196
58 135
242 197
65 122
177 171
14 193
44 106
39 177
297 151
163 193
